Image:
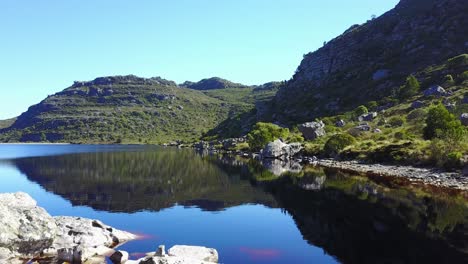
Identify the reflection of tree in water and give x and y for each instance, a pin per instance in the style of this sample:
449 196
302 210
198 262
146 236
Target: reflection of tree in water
132 181
359 221
350 217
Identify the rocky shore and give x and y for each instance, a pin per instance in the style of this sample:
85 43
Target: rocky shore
279 157
434 177
28 234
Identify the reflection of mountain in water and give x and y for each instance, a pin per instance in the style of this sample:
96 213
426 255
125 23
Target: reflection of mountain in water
359 221
350 217
133 181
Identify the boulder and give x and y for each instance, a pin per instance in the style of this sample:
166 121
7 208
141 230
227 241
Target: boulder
279 150
435 90
464 119
27 231
368 117
450 105
417 104
181 255
312 130
87 233
25 228
194 252
340 123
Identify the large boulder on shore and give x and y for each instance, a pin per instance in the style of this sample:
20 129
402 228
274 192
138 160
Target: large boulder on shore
280 150
25 228
27 231
312 130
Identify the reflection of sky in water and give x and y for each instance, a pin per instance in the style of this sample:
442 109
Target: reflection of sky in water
241 234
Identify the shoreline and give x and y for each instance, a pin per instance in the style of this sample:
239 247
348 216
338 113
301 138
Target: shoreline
427 176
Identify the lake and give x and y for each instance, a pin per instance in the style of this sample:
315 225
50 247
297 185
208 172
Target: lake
250 215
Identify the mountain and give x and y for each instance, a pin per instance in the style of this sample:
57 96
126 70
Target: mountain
212 83
369 61
132 109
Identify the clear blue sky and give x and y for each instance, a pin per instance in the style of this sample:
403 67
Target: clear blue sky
46 45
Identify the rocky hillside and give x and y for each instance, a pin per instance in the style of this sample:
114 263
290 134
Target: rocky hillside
369 61
128 109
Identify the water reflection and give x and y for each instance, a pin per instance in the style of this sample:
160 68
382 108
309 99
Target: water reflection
354 218
135 181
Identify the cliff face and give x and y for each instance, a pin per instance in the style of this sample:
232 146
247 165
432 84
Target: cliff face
367 61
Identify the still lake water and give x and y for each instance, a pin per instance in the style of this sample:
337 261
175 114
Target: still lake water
178 196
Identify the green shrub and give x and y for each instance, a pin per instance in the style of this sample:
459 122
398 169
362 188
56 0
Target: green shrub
372 105
360 110
295 137
396 121
263 133
440 122
410 88
337 143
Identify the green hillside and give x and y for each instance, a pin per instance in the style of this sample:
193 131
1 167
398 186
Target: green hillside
127 109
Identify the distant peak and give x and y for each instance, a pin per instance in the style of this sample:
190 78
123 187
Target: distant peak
212 83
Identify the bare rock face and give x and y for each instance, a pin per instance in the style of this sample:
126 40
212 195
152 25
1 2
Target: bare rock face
27 231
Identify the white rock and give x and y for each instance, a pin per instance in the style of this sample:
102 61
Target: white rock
194 252
25 229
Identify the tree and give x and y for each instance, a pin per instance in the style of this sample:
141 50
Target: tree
410 88
264 133
441 123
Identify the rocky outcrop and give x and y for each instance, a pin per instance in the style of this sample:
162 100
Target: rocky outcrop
368 117
280 150
312 130
435 90
28 231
